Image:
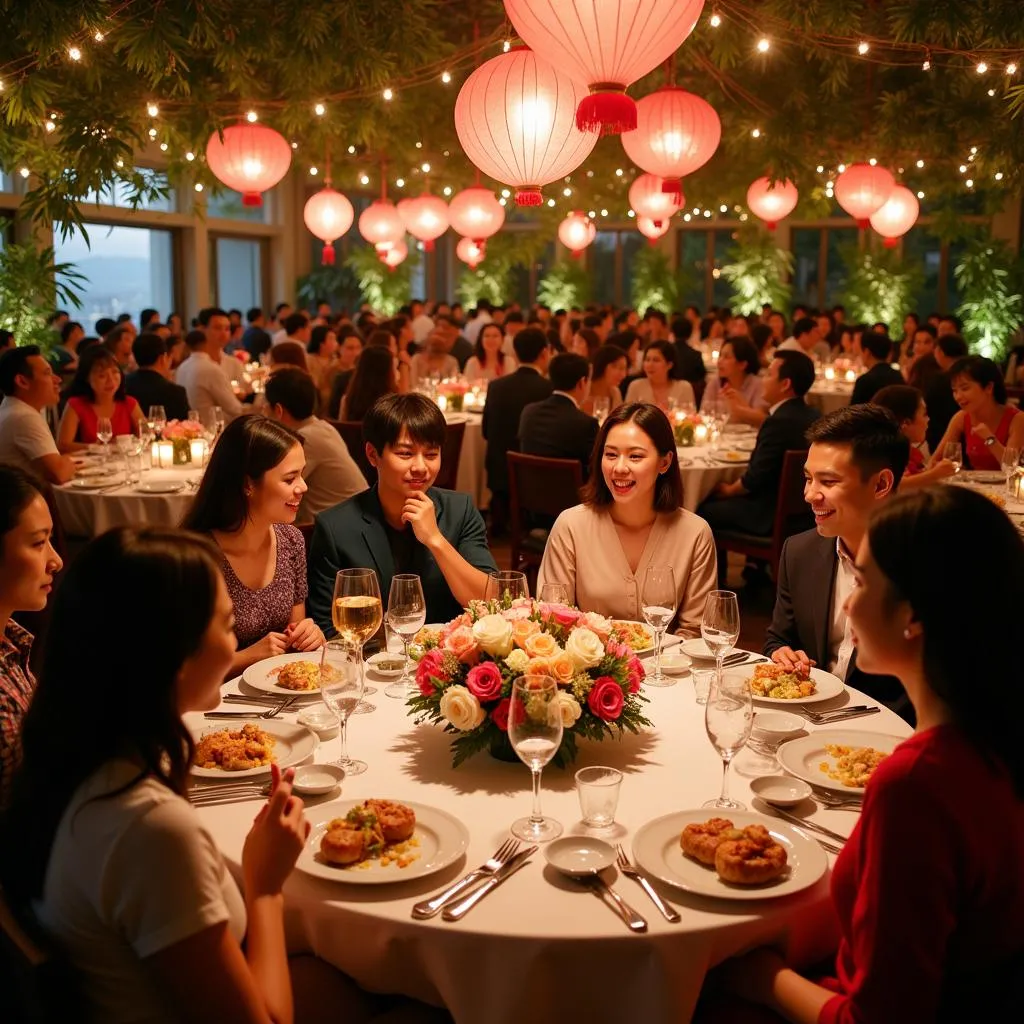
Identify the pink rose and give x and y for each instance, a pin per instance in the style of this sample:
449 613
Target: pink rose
617 650
484 681
562 614
461 643
606 698
431 664
636 673
500 714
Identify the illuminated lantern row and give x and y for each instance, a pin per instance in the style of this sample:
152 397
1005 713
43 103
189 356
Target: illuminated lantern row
862 190
425 218
328 215
649 199
392 253
576 232
380 223
471 252
476 213
897 216
250 158
652 229
771 202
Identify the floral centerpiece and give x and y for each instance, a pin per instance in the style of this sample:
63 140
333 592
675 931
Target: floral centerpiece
181 434
453 391
689 430
466 669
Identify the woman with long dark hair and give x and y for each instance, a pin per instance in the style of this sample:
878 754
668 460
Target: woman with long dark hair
737 380
96 392
657 385
488 361
607 372
374 376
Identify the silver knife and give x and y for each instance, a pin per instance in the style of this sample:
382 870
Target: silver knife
600 888
465 905
233 714
841 715
811 826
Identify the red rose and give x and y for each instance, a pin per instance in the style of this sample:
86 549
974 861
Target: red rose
635 673
606 698
500 714
431 664
484 681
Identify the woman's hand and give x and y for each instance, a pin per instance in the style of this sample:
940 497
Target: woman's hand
943 468
275 840
304 635
270 646
982 431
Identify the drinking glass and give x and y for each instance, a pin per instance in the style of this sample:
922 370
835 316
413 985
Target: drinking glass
954 453
104 432
658 599
218 419
341 689
144 432
720 625
728 718
535 732
1010 461
502 583
554 593
407 613
602 406
193 415
356 610
158 417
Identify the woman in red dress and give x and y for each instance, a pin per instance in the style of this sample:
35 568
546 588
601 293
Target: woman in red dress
96 392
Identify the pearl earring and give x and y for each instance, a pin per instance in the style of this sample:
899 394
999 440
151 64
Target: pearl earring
906 633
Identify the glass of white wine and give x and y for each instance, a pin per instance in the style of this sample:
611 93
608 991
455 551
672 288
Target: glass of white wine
341 689
104 432
658 599
728 719
535 732
158 417
356 610
407 614
720 625
954 453
506 584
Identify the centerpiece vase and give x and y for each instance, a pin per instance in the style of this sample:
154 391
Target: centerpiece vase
182 450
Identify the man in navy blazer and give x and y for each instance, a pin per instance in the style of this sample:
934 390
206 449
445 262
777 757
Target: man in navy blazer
403 525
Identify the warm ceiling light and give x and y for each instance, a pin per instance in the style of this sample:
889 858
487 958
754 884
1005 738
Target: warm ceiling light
388 95
319 110
863 48
763 45
152 110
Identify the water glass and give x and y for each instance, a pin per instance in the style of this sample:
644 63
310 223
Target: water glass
554 593
720 624
1010 462
658 600
728 719
702 680
158 417
104 434
598 792
506 585
954 453
407 613
341 689
602 406
535 732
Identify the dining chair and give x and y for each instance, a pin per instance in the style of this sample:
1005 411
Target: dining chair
451 452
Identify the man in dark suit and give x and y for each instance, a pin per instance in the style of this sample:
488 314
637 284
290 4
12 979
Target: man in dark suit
256 339
856 460
403 524
748 504
151 383
876 350
506 398
938 395
556 427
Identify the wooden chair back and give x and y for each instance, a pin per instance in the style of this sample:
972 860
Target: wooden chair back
451 451
538 487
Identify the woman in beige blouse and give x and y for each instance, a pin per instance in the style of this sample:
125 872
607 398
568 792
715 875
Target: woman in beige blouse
630 519
657 385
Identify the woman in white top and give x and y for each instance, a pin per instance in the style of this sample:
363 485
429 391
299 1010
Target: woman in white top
658 386
435 361
487 361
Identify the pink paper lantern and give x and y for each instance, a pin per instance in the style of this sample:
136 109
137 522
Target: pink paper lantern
392 253
771 202
328 215
676 134
380 223
471 251
476 213
605 45
650 229
515 118
897 216
250 159
576 232
862 189
648 198
425 217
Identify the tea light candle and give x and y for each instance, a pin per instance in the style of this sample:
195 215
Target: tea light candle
442 402
714 355
1017 486
830 373
700 432
198 447
850 376
164 453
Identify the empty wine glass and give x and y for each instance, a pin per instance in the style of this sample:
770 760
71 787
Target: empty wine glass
506 585
218 419
535 732
720 625
728 718
1009 464
341 689
158 417
658 599
407 613
954 453
602 406
554 593
104 432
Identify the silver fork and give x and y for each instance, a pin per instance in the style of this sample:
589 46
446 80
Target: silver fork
429 908
269 713
839 714
630 871
837 802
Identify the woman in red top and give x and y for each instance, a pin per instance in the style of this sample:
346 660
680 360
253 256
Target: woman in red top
928 891
96 392
985 423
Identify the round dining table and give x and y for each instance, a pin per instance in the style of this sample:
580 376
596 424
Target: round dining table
702 467
541 947
828 396
472 475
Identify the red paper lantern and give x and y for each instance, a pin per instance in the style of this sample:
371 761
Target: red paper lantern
772 202
576 232
648 198
471 251
650 229
380 223
605 45
676 134
425 217
392 253
897 216
515 118
328 215
250 159
476 213
862 189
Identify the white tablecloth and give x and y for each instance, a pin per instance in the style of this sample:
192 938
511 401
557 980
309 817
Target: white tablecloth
539 948
830 396
701 473
472 477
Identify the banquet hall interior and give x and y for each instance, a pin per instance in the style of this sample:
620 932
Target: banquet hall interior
573 444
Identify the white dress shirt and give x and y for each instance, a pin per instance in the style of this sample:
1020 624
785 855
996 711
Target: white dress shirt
24 435
840 639
207 386
475 326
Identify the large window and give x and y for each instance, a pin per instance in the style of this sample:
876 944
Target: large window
228 204
602 267
120 194
236 271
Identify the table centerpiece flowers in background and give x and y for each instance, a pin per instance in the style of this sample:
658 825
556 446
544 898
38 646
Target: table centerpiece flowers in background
466 669
690 429
181 434
453 391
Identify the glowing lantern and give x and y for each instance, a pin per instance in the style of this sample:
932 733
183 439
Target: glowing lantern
605 45
328 215
515 118
649 199
392 253
576 232
380 223
676 134
475 213
772 202
897 216
861 190
652 229
251 159
425 217
471 252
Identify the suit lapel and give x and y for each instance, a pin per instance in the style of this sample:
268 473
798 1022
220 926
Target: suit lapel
824 588
375 538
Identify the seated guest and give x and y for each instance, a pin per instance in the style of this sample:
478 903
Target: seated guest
28 564
255 339
201 376
855 463
658 387
96 392
907 405
321 355
330 472
876 350
374 376
737 382
920 366
151 383
249 497
64 358
923 937
404 524
631 518
985 423
435 361
29 385
488 361
748 504
629 341
555 427
806 338
118 342
938 393
607 372
689 364
288 353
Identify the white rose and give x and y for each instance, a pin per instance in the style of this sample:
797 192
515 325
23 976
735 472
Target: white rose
569 708
585 648
598 623
517 661
461 708
493 635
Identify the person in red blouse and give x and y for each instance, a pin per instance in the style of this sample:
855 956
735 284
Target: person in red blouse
928 891
96 392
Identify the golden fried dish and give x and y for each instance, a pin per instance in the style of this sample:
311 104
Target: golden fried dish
853 765
302 675
375 830
701 839
632 633
235 750
744 856
774 681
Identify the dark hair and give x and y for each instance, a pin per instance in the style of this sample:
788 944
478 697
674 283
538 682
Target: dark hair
207 314
253 314
318 337
420 417
667 349
592 321
954 320
104 325
879 345
928 329
194 340
668 491
280 306
872 434
294 322
249 446
288 353
982 371
70 326
14 363
147 348
802 325
761 335
529 344
706 324
17 490
797 368
901 400
114 336
373 377
681 329
146 316
515 317
380 338
83 727
624 340
904 535
95 355
566 371
294 389
592 340
744 351
604 357
656 314
478 348
952 346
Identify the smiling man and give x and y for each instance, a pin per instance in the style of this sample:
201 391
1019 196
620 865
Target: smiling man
856 460
404 524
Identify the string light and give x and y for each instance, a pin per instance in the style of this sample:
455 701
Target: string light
419 145
991 92
506 46
152 110
1011 69
604 213
98 36
696 211
505 193
969 183
723 208
446 77
425 168
820 168
199 186
388 95
163 147
190 156
763 45
119 164
863 48
841 168
715 20
252 117
756 133
687 217
74 53
998 175
631 213
295 145
152 132
364 179
314 171
400 182
50 126
920 164
926 66
566 192
743 216
707 213
981 68
591 214
447 190
503 202
963 168
974 150
618 172
352 150
551 202
319 110
24 172
873 161
920 195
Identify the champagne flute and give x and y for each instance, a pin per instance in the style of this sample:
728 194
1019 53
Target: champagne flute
554 593
219 419
104 432
720 625
356 610
535 732
658 599
954 452
407 613
728 718
506 584
1009 463
158 417
341 689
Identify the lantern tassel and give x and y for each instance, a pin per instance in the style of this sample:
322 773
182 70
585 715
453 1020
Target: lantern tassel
529 196
674 188
771 225
327 256
252 199
607 110
891 243
428 245
576 254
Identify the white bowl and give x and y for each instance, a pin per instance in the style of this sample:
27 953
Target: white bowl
579 855
781 790
377 662
320 720
675 664
696 649
777 726
317 779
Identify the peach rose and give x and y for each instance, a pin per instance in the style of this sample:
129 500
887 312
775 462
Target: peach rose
522 630
541 645
562 668
538 667
462 644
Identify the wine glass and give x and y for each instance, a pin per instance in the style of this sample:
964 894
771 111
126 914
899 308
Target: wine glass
158 417
554 593
407 613
341 689
193 415
104 432
1009 463
728 718
356 610
602 406
720 625
954 452
506 584
535 732
658 598
218 419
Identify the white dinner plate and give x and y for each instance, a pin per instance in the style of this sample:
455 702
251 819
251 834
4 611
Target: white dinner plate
159 487
442 841
982 476
733 457
657 852
92 469
829 686
456 417
259 677
697 650
742 444
293 742
803 756
92 483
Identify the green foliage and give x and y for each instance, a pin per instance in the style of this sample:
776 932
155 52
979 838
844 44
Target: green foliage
654 284
31 287
880 286
758 271
565 285
992 308
494 278
386 289
337 284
